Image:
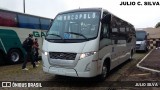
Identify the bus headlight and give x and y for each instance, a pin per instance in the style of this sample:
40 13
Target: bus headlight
44 52
83 55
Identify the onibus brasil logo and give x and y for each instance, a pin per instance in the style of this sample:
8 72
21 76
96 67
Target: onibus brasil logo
21 84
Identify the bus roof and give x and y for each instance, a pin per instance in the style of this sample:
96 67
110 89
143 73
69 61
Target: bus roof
81 10
23 13
91 9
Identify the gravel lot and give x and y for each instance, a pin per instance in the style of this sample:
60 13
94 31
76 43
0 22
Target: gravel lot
153 60
137 74
125 72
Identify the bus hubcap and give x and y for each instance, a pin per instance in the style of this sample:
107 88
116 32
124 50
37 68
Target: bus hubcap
15 56
104 71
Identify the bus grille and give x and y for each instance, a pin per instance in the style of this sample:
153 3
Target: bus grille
62 55
138 46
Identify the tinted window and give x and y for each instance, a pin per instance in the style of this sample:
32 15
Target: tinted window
28 22
45 23
122 30
140 35
75 26
8 19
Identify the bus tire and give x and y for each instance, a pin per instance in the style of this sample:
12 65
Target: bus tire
2 58
1 55
14 56
105 70
146 49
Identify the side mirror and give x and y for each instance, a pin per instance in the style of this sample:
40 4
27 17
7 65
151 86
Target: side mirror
51 21
106 19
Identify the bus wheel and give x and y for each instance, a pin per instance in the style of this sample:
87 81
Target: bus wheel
1 56
146 50
105 71
14 56
2 59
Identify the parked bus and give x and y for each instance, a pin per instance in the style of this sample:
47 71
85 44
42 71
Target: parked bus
14 29
141 40
87 43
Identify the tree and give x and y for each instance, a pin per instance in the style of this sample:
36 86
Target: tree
157 25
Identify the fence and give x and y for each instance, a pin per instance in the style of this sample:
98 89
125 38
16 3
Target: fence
153 43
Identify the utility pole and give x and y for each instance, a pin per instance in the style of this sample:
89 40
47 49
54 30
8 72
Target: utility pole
24 6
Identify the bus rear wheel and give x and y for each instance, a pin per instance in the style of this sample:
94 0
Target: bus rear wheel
14 56
146 49
105 72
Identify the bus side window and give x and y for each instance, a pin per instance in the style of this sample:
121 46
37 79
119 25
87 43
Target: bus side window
104 31
129 38
104 36
114 30
8 19
114 35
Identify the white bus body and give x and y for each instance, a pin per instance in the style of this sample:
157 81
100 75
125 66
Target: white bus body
94 43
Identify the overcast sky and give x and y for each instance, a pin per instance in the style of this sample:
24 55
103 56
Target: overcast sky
140 16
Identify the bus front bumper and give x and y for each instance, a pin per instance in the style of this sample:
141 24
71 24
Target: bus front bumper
66 72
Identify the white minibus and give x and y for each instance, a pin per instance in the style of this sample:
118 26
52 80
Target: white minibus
87 43
141 40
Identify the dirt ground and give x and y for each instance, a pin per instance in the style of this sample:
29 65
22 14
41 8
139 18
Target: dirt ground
153 60
123 75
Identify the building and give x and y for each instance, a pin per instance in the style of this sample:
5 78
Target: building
154 37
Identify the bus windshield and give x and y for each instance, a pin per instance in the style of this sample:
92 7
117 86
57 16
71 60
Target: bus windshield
75 26
140 35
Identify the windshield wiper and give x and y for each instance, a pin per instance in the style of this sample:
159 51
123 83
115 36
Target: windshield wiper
55 35
78 34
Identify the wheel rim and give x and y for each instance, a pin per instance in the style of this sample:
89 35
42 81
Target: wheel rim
14 56
104 71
